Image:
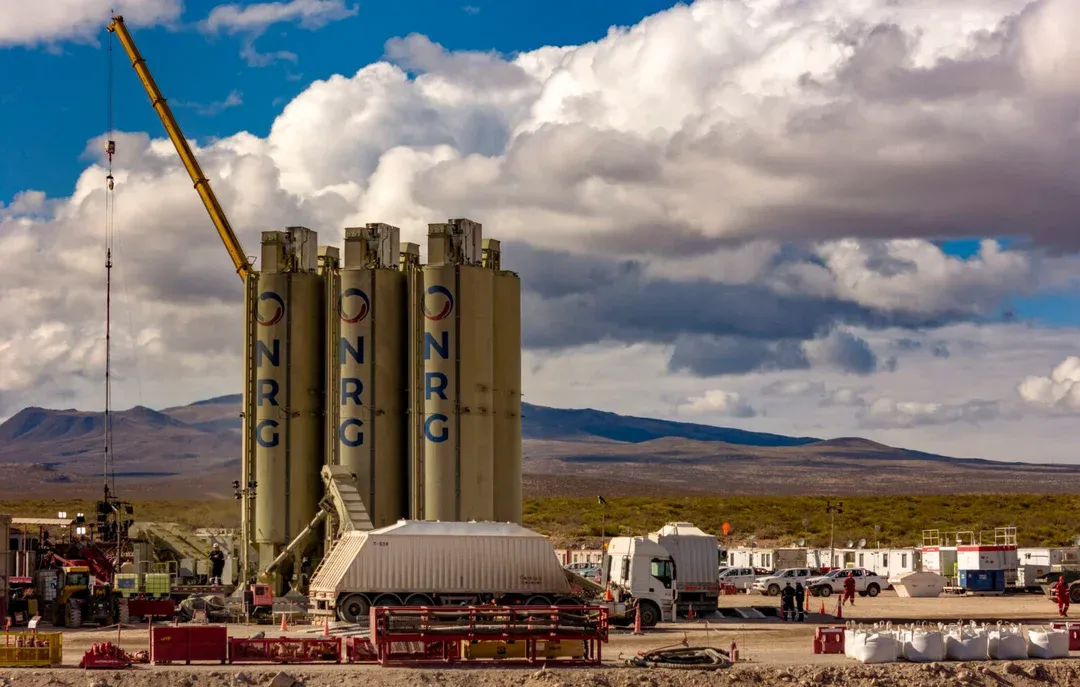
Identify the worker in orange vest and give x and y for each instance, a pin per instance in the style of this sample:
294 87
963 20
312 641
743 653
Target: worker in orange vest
849 589
1061 595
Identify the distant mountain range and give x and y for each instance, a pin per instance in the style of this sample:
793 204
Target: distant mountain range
194 450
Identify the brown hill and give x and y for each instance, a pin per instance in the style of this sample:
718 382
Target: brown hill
194 450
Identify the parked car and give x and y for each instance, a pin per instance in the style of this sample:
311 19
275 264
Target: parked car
742 578
771 585
866 583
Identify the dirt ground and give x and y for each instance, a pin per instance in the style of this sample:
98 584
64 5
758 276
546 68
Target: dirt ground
771 652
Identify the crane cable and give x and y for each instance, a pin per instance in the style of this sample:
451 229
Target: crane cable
110 149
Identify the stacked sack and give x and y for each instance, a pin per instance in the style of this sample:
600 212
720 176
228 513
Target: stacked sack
882 643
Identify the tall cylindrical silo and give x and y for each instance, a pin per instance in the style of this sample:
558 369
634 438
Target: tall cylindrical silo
458 430
506 396
288 389
369 367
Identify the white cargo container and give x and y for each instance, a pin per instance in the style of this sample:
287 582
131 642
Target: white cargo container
415 563
696 559
1047 556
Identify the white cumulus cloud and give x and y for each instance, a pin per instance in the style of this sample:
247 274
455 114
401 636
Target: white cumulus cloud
728 189
32 24
1059 391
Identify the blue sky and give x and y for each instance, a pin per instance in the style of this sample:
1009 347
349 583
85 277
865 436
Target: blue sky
53 101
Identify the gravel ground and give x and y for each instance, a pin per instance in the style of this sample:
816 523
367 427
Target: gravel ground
773 653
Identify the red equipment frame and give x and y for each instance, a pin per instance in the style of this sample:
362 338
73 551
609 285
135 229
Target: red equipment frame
431 633
285 650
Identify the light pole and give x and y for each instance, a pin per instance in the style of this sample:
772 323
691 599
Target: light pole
833 511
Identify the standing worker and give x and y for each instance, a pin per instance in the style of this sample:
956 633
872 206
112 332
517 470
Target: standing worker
1061 595
800 600
787 602
849 589
217 564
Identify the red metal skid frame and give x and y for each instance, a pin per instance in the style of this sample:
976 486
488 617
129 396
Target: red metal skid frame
517 625
304 650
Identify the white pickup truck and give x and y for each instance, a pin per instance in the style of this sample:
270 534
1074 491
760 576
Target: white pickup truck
866 582
771 585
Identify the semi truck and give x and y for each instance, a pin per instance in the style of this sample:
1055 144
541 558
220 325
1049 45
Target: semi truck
640 574
695 556
422 563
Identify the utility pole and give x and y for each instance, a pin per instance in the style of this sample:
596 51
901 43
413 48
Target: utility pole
833 511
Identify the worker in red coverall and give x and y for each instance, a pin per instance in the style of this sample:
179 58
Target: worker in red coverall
849 589
1061 595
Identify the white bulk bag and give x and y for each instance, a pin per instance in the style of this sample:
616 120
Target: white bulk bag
1007 644
966 644
872 647
923 646
1044 643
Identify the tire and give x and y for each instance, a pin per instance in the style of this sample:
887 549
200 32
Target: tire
354 608
538 601
1074 593
419 600
123 614
873 590
824 590
774 589
387 600
650 615
73 614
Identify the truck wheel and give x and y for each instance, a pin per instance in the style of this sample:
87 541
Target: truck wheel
873 590
419 600
538 601
387 600
650 615
774 589
354 608
73 614
1074 593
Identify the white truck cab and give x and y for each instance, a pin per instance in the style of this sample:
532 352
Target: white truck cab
639 570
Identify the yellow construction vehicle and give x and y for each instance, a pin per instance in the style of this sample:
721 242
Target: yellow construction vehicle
202 185
70 599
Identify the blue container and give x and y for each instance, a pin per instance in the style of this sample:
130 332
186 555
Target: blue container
983 580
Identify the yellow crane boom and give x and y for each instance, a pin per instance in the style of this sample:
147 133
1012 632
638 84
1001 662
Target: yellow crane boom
202 185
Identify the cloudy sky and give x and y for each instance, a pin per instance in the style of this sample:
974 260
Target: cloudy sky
813 217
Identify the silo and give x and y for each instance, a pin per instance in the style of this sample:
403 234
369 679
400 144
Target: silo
287 388
367 402
506 396
458 430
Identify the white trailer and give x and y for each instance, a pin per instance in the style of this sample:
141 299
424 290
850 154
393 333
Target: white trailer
416 563
888 562
696 559
740 558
